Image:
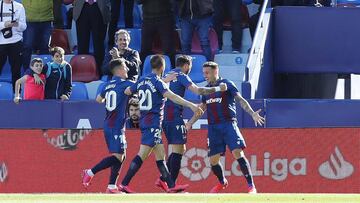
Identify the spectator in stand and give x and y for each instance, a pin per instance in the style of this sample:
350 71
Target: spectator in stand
39 17
12 26
122 50
115 13
233 9
32 91
58 76
92 17
158 19
195 15
134 113
58 17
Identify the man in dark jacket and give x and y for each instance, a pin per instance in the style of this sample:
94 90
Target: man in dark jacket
122 50
158 19
195 14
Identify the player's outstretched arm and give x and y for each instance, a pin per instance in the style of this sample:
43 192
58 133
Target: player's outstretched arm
179 100
207 90
99 99
195 117
246 106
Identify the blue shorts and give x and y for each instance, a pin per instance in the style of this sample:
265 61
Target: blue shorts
151 136
220 135
115 140
175 132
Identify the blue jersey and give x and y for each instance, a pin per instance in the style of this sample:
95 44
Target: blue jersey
151 100
221 106
115 102
178 86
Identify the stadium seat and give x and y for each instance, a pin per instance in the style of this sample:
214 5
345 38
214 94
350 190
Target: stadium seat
68 57
135 42
79 91
157 48
196 73
191 96
147 66
196 47
105 78
6 91
59 38
46 58
92 88
5 74
84 68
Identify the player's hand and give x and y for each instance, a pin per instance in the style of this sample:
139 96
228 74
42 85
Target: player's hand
64 97
257 118
114 52
37 79
223 87
188 126
170 77
197 110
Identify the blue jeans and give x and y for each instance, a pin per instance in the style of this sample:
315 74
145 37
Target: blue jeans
202 26
36 38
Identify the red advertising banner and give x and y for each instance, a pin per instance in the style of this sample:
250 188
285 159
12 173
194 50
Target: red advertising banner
282 160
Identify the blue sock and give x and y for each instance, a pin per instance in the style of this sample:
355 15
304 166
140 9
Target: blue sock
104 164
246 170
114 172
175 164
219 172
134 167
165 173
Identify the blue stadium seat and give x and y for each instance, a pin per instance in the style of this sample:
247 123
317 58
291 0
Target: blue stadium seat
105 78
92 88
46 58
79 91
5 74
135 42
68 57
191 96
147 66
196 73
6 91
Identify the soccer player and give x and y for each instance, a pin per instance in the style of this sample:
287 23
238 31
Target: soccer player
114 125
223 130
152 93
173 125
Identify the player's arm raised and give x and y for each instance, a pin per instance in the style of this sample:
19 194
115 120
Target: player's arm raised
195 117
246 106
179 100
207 90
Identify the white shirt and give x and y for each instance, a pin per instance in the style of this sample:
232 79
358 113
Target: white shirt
19 16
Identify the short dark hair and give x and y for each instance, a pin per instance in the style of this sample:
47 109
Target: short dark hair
58 50
35 60
211 65
157 61
182 60
116 63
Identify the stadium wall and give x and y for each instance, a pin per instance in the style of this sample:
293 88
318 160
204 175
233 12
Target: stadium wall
283 160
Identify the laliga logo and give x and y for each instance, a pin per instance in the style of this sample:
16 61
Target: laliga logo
195 164
68 140
3 172
336 168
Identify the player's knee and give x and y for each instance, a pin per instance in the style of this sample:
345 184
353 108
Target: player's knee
120 157
214 160
238 153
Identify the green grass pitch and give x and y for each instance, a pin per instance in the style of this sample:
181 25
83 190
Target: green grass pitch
178 198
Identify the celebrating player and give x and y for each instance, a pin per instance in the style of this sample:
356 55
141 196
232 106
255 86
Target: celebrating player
152 92
223 129
114 125
173 125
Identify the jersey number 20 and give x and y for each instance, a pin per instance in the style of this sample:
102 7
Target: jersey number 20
145 102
